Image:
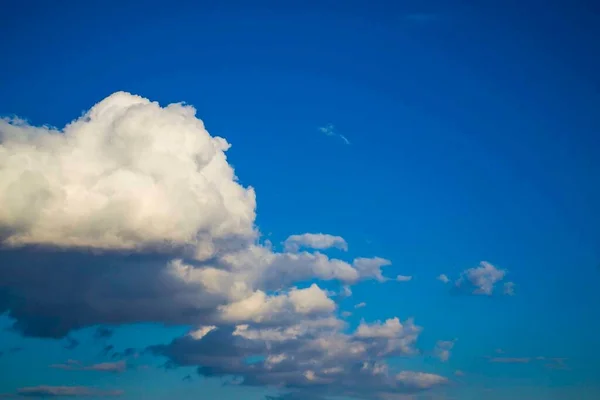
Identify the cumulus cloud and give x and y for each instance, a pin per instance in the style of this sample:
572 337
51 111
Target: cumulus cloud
481 279
403 278
132 213
129 174
442 349
360 305
312 357
318 241
66 391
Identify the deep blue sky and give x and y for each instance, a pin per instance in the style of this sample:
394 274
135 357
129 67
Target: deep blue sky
474 132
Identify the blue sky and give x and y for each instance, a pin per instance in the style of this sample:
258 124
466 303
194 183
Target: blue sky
441 136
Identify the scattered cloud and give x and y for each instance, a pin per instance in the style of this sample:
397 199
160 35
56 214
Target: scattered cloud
442 349
137 216
403 278
66 391
443 278
458 372
103 333
509 289
360 305
330 130
481 279
73 365
71 343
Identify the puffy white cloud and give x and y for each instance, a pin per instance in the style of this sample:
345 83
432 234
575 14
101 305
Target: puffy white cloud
442 349
318 241
482 278
128 174
403 278
362 304
444 278
260 307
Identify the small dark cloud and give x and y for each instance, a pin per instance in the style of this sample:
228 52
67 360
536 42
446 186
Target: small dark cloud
107 349
71 343
103 333
187 378
128 352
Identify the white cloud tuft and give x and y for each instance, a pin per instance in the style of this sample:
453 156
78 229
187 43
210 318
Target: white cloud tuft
482 278
318 241
403 278
329 130
442 349
443 278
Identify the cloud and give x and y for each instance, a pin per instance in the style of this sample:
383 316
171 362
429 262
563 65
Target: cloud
102 333
330 130
316 357
420 380
443 278
66 391
135 215
442 349
509 289
403 278
73 365
481 279
71 343
360 305
510 360
318 241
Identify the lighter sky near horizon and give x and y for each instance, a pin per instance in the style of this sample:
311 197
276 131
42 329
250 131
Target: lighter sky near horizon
300 200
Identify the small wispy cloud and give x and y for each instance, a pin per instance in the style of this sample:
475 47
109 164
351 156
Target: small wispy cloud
360 305
403 278
330 130
74 365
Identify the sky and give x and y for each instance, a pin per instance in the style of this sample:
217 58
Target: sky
300 200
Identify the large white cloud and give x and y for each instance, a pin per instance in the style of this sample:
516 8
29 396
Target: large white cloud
128 174
136 216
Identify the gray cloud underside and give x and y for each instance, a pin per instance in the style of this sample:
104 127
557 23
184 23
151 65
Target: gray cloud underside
132 213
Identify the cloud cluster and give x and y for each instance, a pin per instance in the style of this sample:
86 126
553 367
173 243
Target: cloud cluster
131 213
481 280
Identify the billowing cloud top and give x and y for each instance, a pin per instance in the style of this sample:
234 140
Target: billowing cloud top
128 174
173 240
